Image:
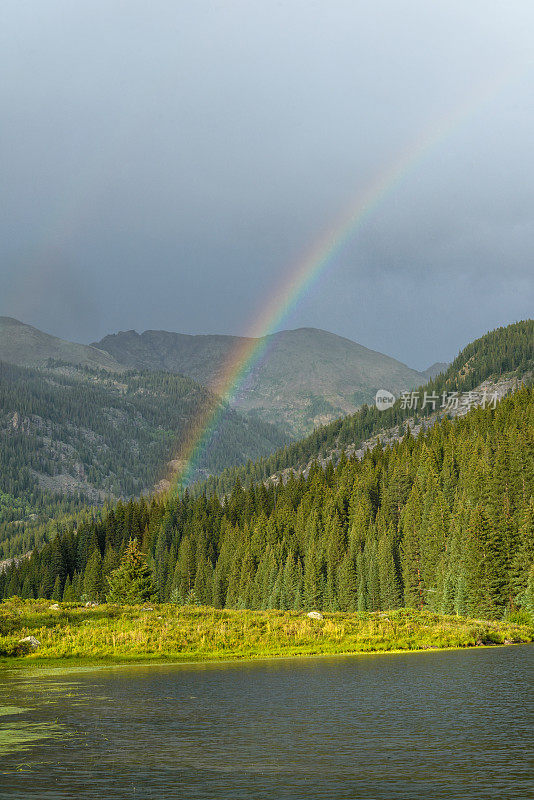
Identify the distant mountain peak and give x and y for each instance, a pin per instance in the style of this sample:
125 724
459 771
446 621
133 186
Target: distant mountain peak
27 346
436 369
310 376
11 321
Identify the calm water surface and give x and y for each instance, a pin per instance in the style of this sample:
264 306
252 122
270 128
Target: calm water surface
421 725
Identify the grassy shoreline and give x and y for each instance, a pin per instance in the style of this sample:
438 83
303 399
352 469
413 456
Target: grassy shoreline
73 636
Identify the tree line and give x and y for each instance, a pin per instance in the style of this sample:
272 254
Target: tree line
444 521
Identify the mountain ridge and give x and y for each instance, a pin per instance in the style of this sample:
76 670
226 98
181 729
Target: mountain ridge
306 378
309 377
26 346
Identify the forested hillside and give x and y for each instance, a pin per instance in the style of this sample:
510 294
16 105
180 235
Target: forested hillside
72 435
505 351
444 521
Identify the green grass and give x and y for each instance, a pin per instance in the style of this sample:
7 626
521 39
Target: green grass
83 636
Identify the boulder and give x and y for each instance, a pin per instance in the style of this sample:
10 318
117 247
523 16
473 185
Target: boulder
53 607
314 615
30 642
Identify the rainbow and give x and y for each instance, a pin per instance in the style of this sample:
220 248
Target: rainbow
305 273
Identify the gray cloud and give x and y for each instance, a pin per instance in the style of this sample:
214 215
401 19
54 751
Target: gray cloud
165 164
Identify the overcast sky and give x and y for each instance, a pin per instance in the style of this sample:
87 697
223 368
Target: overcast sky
165 164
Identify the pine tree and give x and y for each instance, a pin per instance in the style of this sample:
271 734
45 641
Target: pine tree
68 591
264 579
483 568
57 594
370 561
313 579
27 588
202 587
435 526
413 578
247 573
92 582
291 589
77 585
390 582
523 559
184 572
131 582
347 589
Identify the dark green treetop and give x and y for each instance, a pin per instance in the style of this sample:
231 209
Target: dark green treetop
132 581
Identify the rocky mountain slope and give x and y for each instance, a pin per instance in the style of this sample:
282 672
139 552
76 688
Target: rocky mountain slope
487 394
498 361
306 378
72 435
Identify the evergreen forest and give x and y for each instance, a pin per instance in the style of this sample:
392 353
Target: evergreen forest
443 521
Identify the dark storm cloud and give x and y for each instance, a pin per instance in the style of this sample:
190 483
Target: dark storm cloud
164 164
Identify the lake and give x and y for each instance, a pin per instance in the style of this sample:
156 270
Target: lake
455 724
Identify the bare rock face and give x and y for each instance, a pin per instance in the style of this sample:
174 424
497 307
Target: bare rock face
8 562
30 642
20 424
314 615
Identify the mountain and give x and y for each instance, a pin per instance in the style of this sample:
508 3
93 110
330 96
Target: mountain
435 369
505 355
307 378
442 522
29 347
72 435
